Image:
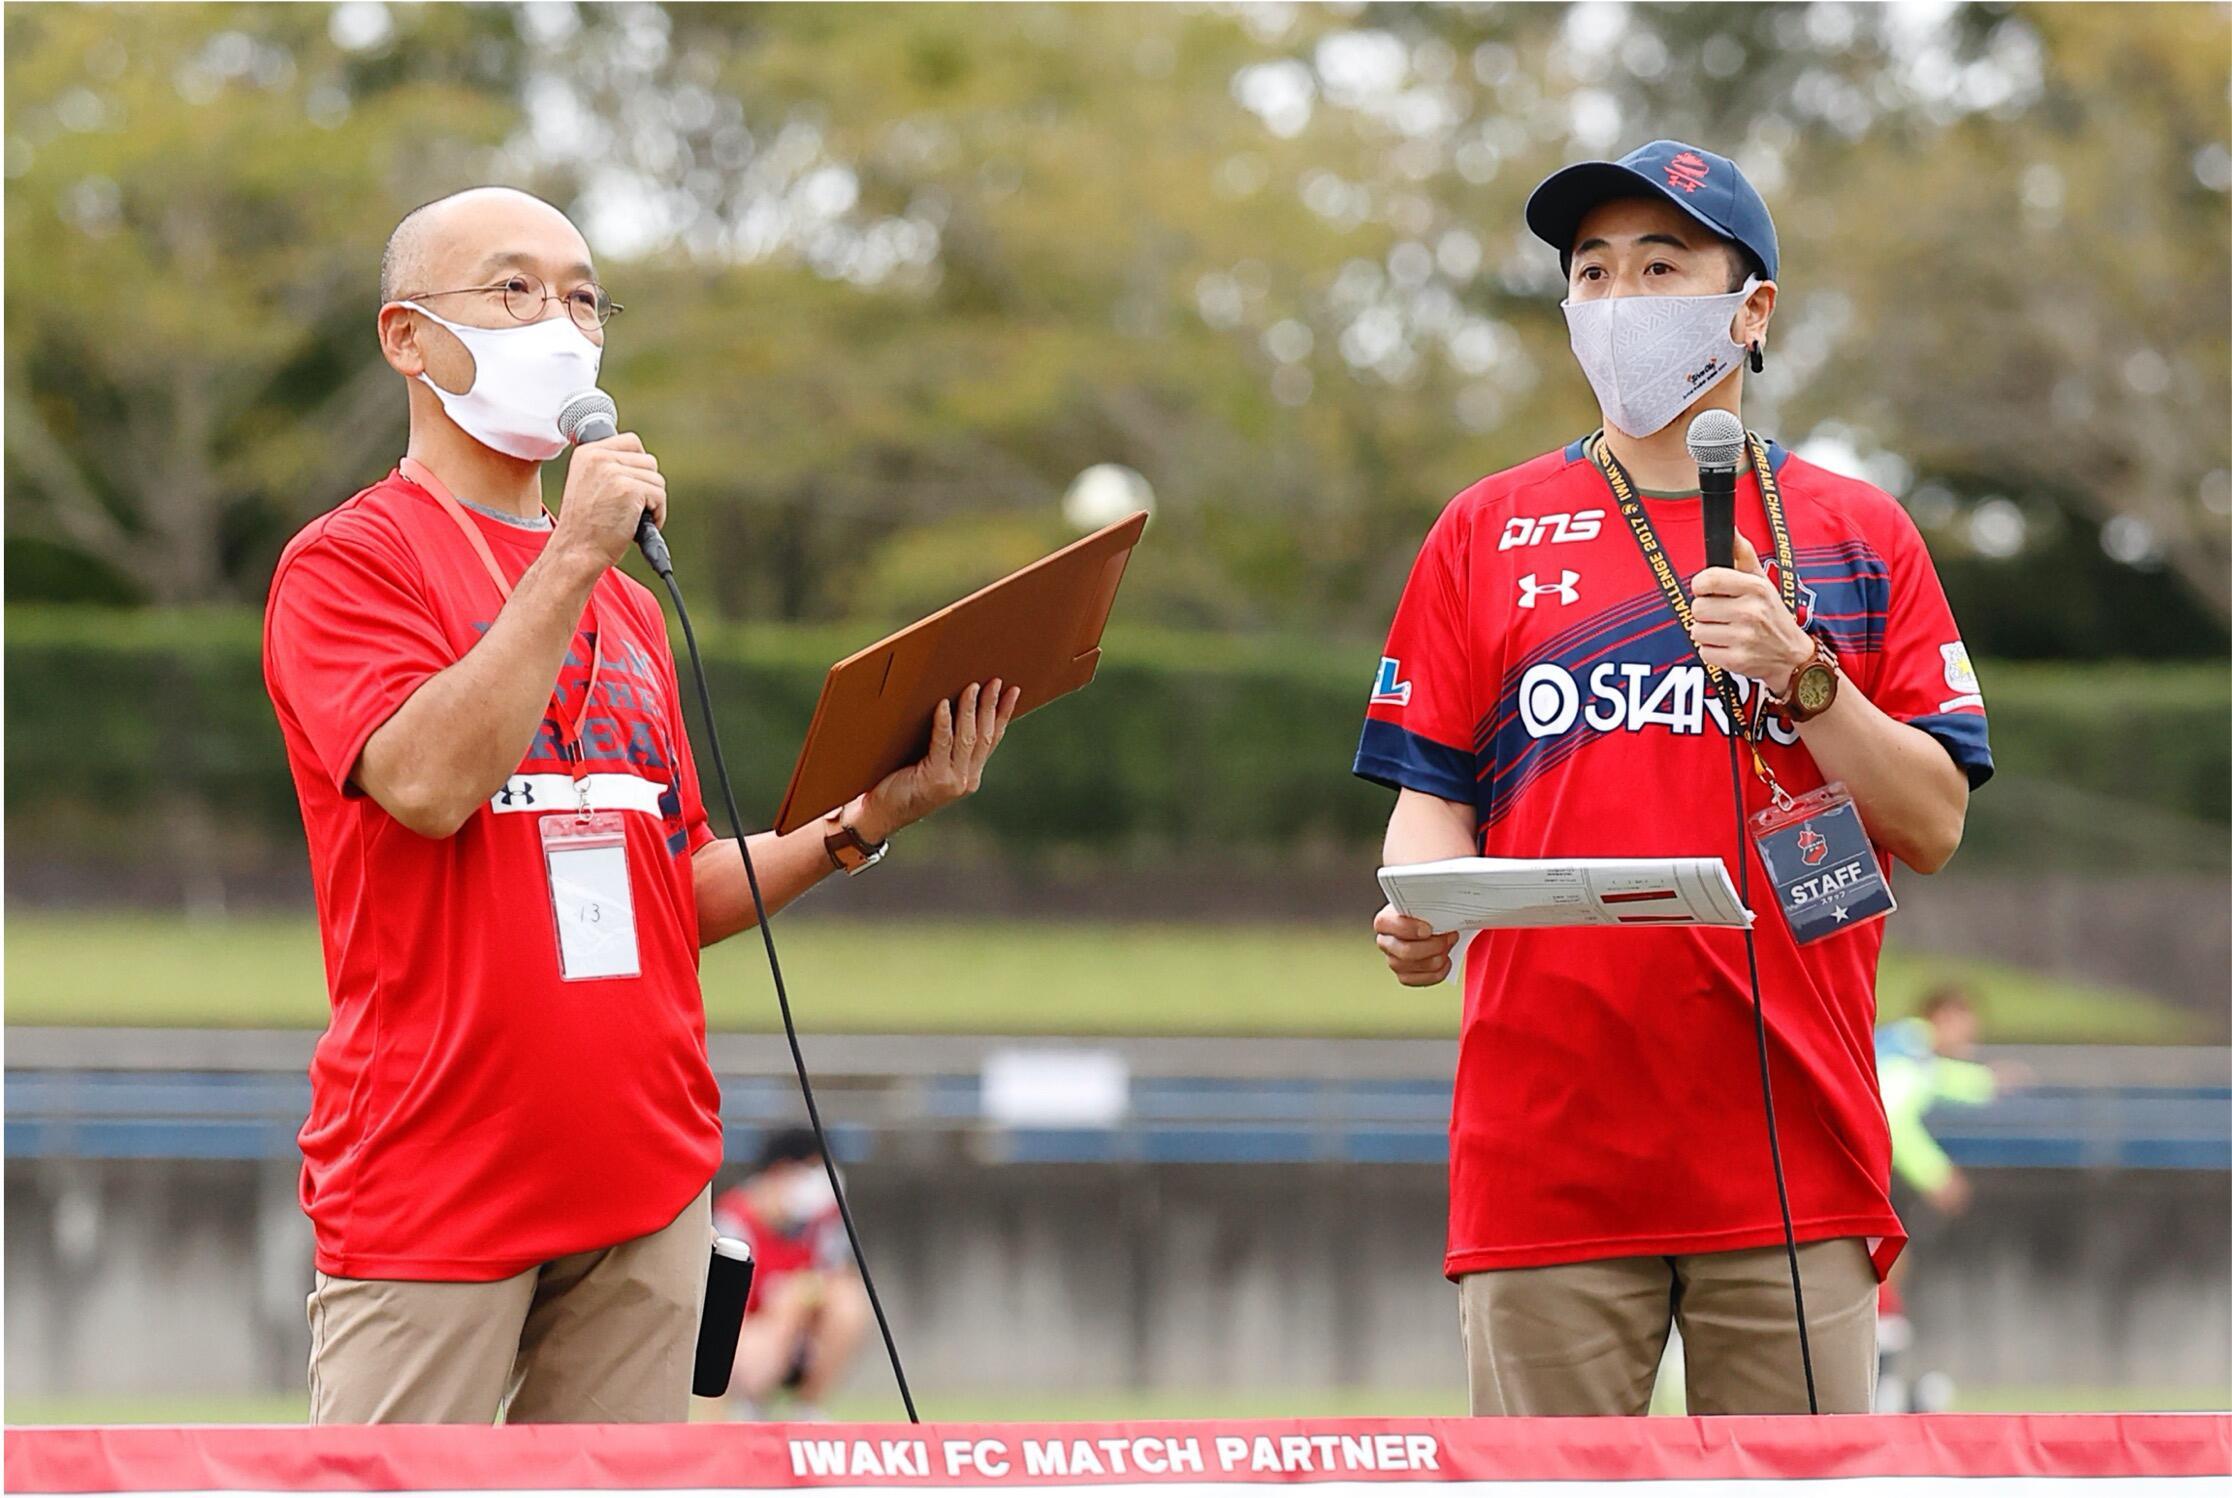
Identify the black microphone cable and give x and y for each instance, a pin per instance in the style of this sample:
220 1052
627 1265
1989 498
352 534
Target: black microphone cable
590 416
654 549
1767 1087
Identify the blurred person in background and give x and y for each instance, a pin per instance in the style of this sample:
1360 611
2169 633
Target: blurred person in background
808 1313
1609 1176
513 1127
1922 1061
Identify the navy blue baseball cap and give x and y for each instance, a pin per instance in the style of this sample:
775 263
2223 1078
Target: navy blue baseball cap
1707 187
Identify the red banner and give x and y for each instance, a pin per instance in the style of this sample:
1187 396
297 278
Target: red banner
1982 1452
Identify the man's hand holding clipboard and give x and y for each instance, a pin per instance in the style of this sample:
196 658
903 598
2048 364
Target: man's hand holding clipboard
904 726
963 735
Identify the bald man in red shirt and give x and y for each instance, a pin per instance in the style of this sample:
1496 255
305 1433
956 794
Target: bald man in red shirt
513 1124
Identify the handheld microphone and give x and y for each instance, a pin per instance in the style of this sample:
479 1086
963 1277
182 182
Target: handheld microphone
591 416
1716 441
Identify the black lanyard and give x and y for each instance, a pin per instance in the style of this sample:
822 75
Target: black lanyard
1677 597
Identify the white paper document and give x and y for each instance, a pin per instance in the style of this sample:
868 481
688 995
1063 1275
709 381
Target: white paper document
1474 894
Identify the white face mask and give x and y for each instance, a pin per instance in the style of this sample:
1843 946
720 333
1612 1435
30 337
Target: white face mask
1648 357
522 377
806 1196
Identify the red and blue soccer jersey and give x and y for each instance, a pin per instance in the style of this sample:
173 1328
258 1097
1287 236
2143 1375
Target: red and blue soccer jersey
1607 1100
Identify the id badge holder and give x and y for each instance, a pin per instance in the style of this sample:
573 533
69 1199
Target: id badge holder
1821 863
585 855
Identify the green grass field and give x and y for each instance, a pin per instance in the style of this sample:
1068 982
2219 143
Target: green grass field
872 1400
922 976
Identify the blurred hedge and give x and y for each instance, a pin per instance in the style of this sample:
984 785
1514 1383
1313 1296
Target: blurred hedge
121 723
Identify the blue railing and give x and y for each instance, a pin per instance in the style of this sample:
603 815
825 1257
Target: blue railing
217 1115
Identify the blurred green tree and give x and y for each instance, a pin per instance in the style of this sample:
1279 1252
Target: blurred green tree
978 257
2038 289
197 199
896 273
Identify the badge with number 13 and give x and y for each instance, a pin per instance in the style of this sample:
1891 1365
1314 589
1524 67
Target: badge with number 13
586 855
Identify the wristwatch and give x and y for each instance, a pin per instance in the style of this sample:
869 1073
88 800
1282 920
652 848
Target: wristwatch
1813 686
848 850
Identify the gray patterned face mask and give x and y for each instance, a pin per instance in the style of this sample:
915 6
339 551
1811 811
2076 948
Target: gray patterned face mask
1648 357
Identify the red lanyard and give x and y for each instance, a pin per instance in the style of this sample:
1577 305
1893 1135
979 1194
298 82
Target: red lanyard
419 474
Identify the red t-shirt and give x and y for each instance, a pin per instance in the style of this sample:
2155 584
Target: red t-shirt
1607 1098
472 1113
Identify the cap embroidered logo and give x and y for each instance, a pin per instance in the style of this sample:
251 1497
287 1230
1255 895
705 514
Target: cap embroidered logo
1687 171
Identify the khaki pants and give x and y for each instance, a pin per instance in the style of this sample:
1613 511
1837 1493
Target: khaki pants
1586 1339
607 1336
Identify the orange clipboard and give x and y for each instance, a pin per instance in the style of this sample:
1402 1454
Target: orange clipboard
1038 629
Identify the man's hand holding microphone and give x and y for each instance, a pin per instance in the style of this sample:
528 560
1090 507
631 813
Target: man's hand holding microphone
591 422
611 483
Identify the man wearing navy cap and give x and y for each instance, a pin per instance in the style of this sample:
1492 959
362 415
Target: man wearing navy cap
1542 697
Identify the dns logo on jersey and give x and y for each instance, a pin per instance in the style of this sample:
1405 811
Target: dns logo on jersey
1549 530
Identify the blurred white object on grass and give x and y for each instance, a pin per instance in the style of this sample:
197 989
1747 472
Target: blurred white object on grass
1037 1087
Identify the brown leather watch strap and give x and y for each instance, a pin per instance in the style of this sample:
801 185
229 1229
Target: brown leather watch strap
848 851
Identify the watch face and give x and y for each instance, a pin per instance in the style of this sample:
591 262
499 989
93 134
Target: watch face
1817 684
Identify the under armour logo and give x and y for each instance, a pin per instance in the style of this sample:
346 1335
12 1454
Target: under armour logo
520 792
1530 590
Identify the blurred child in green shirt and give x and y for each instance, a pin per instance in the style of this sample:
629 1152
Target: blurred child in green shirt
1920 1063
